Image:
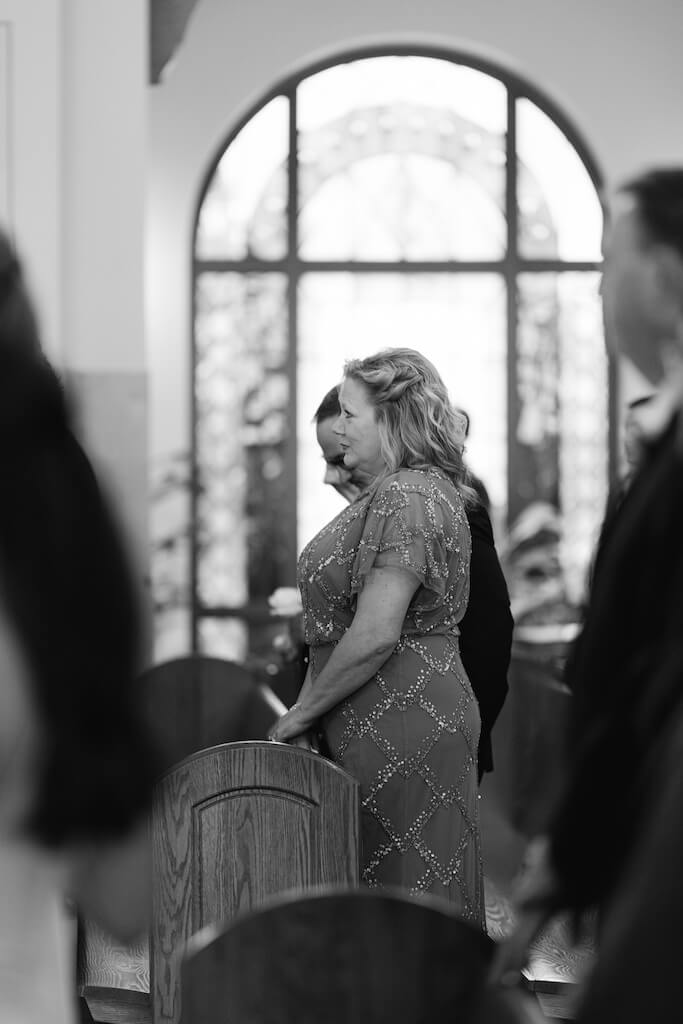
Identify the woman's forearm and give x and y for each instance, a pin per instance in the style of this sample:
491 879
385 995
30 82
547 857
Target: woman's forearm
368 642
355 660
306 686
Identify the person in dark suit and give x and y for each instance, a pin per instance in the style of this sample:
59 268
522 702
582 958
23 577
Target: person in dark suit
486 628
633 432
634 447
616 825
486 637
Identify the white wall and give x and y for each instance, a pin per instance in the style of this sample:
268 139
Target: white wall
104 151
73 113
31 99
612 66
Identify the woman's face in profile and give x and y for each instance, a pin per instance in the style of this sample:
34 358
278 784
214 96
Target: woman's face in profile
357 429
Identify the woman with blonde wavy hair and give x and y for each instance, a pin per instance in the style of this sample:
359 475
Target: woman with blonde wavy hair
384 586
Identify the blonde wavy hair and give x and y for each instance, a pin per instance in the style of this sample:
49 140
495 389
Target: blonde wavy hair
418 426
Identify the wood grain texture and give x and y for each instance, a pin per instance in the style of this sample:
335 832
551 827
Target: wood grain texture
233 826
560 1006
338 958
557 960
110 964
191 703
128 1007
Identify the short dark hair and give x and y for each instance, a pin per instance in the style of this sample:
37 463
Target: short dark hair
70 595
659 197
329 407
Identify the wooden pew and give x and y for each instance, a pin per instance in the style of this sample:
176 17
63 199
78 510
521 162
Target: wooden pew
233 826
342 957
192 703
198 701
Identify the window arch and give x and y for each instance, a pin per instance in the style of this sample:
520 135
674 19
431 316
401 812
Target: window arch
391 197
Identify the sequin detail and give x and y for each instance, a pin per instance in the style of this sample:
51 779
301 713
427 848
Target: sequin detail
410 734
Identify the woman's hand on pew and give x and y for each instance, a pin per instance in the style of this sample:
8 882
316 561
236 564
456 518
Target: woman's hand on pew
305 741
293 727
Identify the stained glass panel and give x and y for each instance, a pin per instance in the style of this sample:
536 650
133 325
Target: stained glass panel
170 553
401 158
242 395
244 210
458 322
224 638
562 380
560 216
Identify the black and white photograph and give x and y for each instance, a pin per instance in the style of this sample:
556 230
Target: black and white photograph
341 527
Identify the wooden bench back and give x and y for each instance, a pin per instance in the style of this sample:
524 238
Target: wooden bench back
233 826
338 957
197 702
192 703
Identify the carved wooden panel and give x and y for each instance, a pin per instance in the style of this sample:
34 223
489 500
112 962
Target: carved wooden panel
193 703
233 826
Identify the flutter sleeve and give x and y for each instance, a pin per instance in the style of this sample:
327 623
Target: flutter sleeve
409 526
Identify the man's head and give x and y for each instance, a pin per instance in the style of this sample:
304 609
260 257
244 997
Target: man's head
642 283
336 474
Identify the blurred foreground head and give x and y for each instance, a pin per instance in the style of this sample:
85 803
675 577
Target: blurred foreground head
67 598
642 283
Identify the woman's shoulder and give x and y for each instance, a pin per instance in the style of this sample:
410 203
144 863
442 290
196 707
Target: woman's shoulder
429 485
406 476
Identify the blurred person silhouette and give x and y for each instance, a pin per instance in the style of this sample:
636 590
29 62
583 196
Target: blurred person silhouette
76 766
615 838
633 446
486 627
635 423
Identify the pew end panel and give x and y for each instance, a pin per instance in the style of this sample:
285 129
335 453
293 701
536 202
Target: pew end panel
233 826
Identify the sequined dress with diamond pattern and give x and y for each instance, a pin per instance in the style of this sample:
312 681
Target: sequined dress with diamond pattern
410 734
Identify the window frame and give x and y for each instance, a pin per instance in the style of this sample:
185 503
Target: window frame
510 266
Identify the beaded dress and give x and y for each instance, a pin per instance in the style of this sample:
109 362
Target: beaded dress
410 734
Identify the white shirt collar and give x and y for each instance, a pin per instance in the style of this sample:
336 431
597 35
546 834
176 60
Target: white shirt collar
655 417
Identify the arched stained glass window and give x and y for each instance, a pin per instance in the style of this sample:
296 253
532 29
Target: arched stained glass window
417 199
